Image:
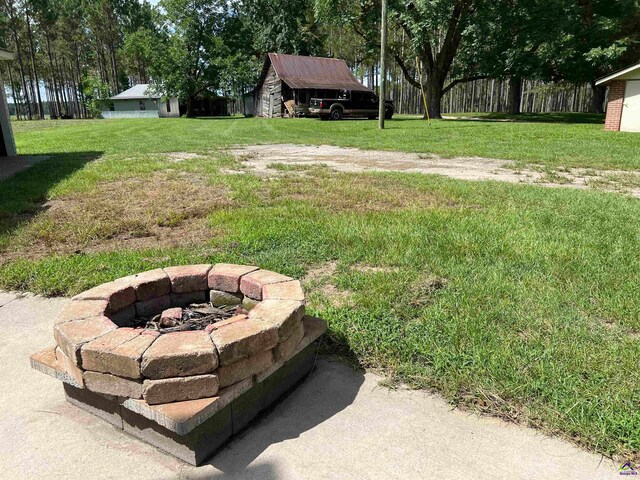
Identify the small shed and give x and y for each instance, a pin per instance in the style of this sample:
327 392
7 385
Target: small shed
623 99
288 82
139 102
7 143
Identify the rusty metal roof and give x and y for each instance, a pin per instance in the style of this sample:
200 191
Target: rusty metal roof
315 72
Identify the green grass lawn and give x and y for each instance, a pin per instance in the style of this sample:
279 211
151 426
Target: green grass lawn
550 143
518 301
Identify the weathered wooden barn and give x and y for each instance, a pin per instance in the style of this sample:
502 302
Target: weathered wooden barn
288 82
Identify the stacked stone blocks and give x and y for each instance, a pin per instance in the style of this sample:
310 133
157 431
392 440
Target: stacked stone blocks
100 351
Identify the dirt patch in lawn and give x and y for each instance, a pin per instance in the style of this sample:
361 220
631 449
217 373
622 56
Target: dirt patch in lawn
374 269
154 212
318 280
272 160
351 192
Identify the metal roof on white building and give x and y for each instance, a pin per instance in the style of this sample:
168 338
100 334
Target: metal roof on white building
137 92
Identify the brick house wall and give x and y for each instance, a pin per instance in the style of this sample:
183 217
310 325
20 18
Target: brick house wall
615 101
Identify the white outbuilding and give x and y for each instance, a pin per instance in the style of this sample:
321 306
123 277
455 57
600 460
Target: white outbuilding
140 101
623 99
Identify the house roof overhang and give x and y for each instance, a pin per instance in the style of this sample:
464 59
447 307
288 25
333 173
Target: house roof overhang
137 92
632 72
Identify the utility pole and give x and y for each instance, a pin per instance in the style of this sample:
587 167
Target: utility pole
383 66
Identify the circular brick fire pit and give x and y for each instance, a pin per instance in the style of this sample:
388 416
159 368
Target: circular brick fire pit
106 346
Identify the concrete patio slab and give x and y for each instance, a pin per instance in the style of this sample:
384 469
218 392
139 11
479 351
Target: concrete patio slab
339 424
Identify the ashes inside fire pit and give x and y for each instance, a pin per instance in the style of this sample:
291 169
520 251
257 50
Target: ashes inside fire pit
197 316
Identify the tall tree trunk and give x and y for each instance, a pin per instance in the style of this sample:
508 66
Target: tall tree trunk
190 106
16 101
114 67
33 66
53 76
83 106
433 90
515 94
597 99
25 91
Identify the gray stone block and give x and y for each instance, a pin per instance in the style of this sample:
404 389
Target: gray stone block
102 406
288 375
247 407
193 447
202 441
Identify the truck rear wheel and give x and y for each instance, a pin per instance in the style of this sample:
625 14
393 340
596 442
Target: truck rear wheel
336 114
388 113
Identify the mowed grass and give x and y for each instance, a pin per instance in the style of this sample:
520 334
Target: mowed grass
512 300
554 142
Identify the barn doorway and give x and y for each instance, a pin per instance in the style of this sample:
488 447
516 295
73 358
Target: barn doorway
271 101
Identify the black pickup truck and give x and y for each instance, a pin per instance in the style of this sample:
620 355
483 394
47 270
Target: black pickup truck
349 104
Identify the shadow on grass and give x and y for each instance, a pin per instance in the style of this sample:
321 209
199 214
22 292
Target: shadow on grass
220 118
22 195
555 117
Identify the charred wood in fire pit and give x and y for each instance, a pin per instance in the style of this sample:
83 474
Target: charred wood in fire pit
194 317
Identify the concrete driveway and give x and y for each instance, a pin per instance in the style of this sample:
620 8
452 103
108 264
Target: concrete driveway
339 424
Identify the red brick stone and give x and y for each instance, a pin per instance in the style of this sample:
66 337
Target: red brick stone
125 359
153 306
70 336
45 361
150 284
111 385
171 316
217 325
79 309
226 276
96 353
230 374
119 294
179 389
285 350
283 314
251 284
69 366
180 354
188 278
283 291
238 340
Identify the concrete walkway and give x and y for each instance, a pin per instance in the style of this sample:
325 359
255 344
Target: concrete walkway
339 424
9 166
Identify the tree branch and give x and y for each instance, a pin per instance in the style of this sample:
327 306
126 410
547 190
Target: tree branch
462 80
405 71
